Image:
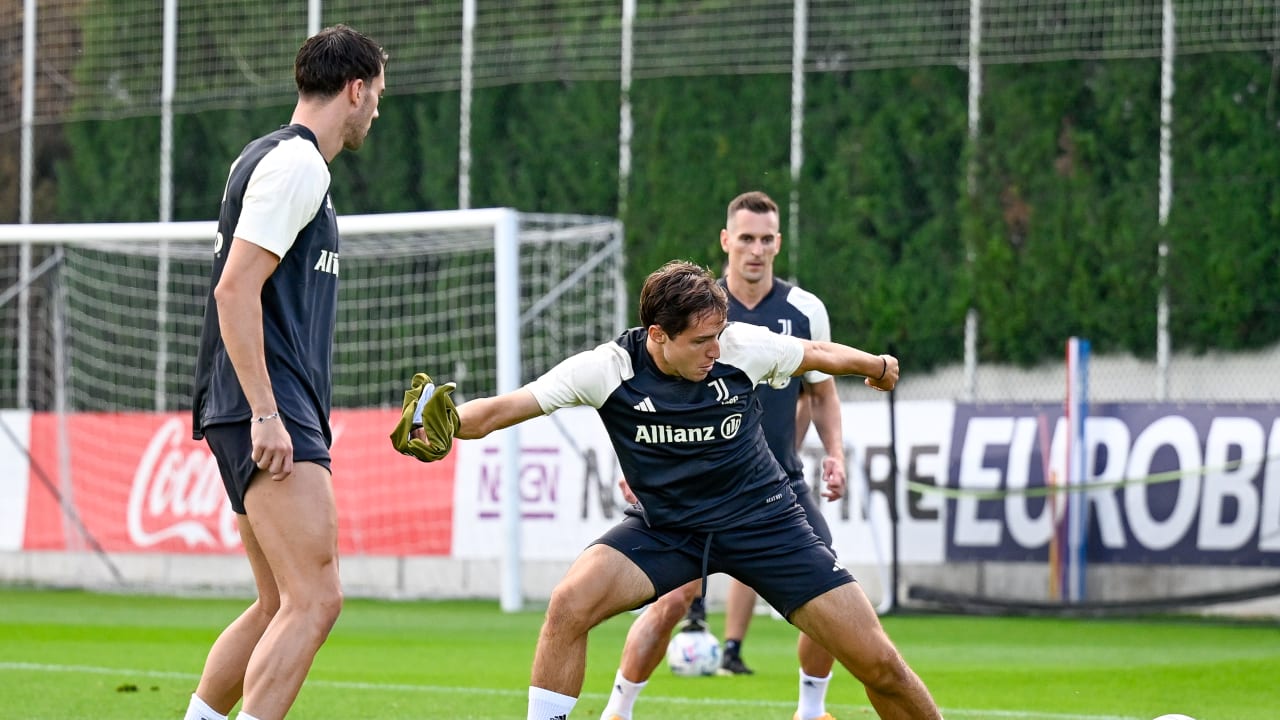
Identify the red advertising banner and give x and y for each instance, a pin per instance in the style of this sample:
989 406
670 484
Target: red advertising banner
137 482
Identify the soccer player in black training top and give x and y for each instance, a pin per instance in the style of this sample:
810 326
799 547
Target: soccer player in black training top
677 398
751 240
263 377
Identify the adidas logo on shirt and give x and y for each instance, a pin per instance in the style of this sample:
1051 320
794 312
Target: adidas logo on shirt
645 405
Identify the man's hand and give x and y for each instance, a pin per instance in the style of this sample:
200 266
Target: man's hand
888 375
833 477
427 422
272 446
626 491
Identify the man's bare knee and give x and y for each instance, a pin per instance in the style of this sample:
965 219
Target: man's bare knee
571 610
886 674
320 607
678 601
267 607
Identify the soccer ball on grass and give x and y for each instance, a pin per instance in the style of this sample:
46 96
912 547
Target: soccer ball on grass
694 652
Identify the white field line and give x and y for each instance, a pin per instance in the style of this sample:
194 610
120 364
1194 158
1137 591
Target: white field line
950 712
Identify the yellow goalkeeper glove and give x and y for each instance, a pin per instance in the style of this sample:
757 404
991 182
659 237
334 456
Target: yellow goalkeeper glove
430 408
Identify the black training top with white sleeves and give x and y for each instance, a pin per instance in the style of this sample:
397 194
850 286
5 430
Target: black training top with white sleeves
786 310
692 452
277 197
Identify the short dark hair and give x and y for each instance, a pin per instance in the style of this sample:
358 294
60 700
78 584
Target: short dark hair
754 201
333 57
679 293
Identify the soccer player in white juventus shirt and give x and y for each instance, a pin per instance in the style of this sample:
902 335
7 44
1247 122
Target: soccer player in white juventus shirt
677 397
751 240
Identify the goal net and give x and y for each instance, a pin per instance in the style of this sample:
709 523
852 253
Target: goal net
99 327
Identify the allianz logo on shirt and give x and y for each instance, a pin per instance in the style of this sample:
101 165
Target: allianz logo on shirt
667 435
328 262
670 435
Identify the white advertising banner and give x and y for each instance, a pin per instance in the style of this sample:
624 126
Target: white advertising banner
860 522
14 472
568 488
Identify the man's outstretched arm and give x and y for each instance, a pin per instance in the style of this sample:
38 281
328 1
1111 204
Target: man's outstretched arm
482 416
880 371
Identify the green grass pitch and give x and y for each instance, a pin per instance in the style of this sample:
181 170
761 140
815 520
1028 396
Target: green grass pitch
70 654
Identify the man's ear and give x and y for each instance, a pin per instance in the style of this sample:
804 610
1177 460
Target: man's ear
355 91
657 334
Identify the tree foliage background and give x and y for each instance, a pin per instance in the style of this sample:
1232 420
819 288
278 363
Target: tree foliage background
1047 224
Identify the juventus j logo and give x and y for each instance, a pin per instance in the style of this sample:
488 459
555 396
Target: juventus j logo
786 326
722 390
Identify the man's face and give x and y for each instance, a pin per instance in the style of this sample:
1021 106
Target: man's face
751 241
690 354
361 118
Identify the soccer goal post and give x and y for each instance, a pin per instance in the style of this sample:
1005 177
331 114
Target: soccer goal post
105 318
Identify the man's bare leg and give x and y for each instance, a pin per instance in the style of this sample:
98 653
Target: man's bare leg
222 681
649 634
295 521
740 605
814 659
601 583
815 676
843 621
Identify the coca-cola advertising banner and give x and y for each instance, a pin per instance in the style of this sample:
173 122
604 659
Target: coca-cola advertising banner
138 482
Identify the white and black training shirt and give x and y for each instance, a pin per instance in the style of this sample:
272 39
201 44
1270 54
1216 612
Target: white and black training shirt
693 452
786 310
277 197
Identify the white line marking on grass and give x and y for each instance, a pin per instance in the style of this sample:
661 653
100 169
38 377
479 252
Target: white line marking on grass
404 687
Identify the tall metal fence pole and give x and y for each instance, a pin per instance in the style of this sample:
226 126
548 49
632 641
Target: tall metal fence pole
1168 37
799 49
168 80
25 181
970 389
624 104
464 103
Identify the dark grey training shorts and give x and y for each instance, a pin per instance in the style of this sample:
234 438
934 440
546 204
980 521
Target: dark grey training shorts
781 557
233 449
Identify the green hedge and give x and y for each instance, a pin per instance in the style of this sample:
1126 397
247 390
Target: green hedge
1057 235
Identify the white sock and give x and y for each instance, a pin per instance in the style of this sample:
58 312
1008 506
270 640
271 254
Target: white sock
622 698
547 705
200 710
813 696
245 716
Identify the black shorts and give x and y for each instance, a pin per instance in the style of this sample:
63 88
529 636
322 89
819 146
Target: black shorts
812 505
233 449
781 558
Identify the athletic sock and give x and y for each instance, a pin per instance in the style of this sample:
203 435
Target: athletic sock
813 696
622 698
697 610
547 705
200 710
732 649
245 716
